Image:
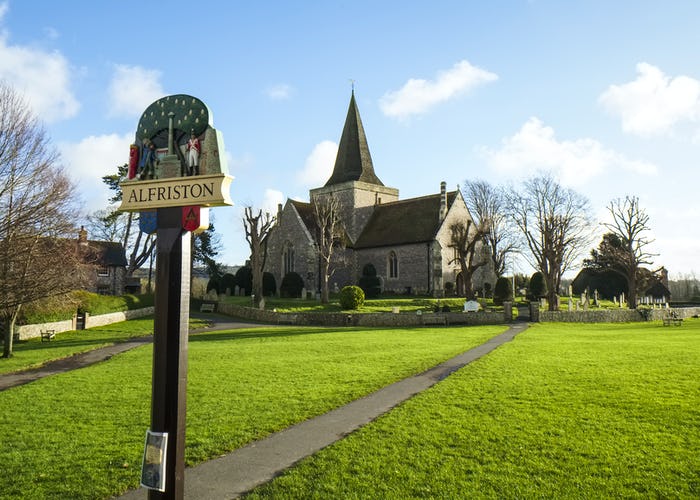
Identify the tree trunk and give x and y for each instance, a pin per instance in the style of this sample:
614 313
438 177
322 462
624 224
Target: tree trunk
10 322
553 300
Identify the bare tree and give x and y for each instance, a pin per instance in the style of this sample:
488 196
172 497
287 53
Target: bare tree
626 250
488 203
467 240
329 237
555 224
37 259
257 227
123 227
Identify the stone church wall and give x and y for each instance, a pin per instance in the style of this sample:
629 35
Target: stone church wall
414 267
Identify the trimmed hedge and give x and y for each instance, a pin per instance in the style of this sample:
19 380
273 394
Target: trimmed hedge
351 297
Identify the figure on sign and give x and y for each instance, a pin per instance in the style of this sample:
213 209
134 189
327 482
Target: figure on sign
193 149
147 168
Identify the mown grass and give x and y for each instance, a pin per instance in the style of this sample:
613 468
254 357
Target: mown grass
32 353
80 434
563 411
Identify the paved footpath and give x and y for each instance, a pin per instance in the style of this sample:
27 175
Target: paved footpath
230 476
104 353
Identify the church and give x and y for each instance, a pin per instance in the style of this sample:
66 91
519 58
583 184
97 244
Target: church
407 241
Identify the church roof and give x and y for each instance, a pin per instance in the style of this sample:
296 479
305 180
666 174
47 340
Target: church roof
415 220
306 212
353 162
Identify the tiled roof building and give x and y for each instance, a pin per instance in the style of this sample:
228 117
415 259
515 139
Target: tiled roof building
407 241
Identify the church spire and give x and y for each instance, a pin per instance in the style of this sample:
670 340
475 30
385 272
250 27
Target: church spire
353 162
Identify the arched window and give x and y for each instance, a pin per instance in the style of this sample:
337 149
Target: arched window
288 260
393 265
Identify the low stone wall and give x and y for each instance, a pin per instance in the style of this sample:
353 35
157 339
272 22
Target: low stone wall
371 319
32 331
616 315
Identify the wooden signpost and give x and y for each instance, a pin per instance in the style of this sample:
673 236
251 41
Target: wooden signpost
171 191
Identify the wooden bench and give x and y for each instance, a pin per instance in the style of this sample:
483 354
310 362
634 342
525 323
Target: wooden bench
47 335
207 307
672 321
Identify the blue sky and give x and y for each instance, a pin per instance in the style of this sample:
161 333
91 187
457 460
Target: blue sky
606 95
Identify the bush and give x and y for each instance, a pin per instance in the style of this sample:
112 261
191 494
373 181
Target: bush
291 286
369 282
213 284
269 285
227 282
244 279
369 270
502 291
538 286
351 297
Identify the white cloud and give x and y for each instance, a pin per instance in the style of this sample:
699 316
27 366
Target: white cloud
279 92
535 147
417 96
42 77
3 9
133 89
319 164
270 201
92 158
653 103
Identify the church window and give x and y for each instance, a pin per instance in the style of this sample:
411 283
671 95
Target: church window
288 261
393 265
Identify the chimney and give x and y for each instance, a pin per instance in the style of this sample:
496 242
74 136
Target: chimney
443 200
279 212
82 236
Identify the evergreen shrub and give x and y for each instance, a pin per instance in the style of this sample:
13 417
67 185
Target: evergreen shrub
502 291
538 286
244 279
369 282
351 297
269 284
291 286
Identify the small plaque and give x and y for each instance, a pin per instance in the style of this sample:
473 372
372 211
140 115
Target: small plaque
154 455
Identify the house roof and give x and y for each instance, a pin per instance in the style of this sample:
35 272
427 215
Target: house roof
353 162
107 253
415 220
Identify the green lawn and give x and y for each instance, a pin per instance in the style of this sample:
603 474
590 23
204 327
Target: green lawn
80 434
33 352
563 411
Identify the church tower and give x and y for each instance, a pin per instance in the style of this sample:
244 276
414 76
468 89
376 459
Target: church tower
354 182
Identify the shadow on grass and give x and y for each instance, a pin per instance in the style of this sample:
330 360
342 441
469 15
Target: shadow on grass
262 333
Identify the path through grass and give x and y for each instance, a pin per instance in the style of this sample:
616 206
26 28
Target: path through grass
563 411
80 434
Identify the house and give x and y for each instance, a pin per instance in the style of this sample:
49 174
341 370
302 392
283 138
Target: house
108 260
406 241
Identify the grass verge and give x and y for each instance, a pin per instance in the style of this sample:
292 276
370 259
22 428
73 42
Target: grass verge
563 411
80 434
33 352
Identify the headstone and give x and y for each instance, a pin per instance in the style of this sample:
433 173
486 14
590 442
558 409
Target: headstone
228 292
585 306
236 290
303 293
335 288
471 306
570 304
